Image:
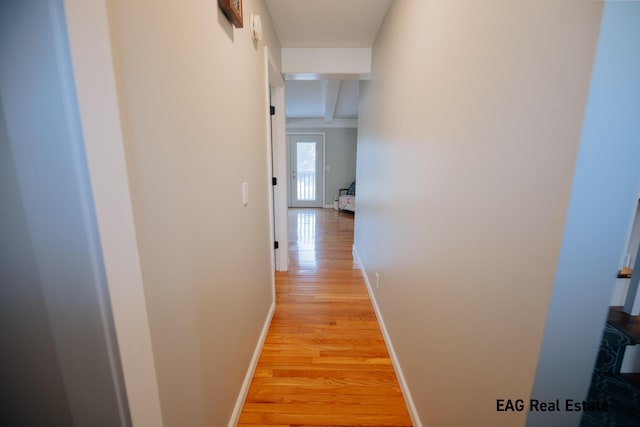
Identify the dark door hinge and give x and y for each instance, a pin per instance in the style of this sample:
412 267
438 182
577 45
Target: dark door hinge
272 110
274 181
276 245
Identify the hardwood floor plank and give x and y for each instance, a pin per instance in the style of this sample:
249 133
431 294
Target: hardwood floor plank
324 360
315 419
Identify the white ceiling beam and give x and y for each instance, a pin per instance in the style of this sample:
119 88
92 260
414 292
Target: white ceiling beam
324 76
312 123
326 60
331 90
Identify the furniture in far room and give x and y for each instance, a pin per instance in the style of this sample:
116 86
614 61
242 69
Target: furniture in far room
347 198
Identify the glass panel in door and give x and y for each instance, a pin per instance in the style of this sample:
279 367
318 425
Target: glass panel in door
306 167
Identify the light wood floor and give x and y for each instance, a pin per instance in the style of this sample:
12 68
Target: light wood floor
324 362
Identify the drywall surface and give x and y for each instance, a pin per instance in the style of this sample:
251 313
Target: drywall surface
468 135
192 95
90 46
602 206
326 60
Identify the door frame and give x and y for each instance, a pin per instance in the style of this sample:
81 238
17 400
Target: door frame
89 42
276 158
324 162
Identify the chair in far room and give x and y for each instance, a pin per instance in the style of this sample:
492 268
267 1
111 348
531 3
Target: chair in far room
347 198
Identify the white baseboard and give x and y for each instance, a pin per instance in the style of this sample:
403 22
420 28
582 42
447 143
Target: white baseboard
328 206
237 410
413 412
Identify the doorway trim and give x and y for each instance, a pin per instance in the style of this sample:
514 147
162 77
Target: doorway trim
277 165
89 42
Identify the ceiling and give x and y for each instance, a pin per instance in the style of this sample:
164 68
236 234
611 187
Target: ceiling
307 99
325 24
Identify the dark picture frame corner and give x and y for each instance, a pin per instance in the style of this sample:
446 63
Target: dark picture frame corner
233 11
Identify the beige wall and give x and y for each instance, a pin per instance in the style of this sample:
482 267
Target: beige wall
467 142
193 103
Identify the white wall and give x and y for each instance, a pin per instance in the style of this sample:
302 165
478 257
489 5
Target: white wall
192 95
468 135
89 40
603 203
326 60
340 158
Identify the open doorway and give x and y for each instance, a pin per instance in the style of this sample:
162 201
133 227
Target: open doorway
616 374
323 108
306 169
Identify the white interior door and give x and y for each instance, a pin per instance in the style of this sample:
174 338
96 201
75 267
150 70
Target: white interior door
306 170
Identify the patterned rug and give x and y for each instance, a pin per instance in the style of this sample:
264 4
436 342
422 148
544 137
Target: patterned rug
608 385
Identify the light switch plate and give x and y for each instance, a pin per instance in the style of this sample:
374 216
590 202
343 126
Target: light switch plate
245 194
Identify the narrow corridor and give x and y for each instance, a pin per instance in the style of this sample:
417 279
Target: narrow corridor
324 361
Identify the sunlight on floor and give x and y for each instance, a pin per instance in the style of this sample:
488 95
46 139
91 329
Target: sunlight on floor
306 243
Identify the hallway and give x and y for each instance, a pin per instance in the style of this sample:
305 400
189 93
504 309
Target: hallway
324 361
